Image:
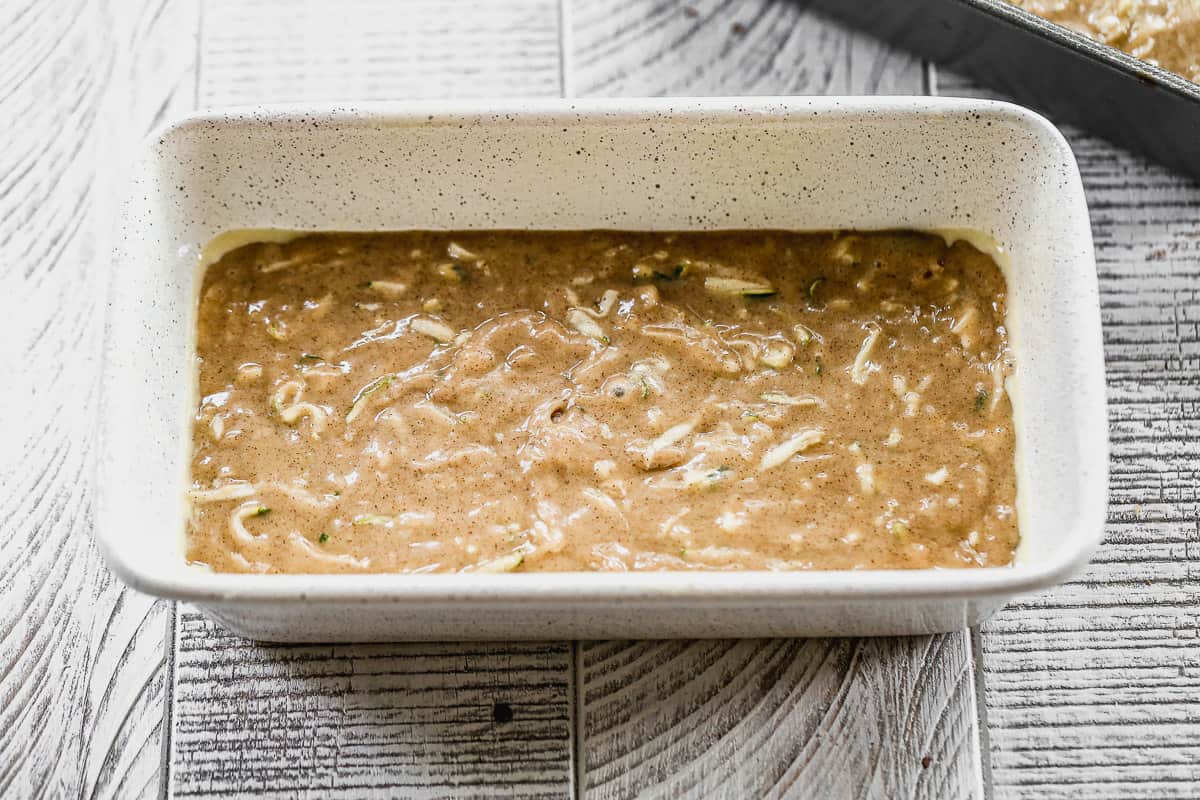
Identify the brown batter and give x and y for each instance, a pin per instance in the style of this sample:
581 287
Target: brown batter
501 401
1162 32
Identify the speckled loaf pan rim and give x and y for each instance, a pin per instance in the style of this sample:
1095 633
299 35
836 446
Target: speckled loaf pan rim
134 362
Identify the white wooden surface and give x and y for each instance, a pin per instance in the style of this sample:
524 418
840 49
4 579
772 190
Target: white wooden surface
82 685
1090 690
352 720
784 717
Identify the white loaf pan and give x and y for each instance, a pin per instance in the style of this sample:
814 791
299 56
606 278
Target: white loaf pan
672 164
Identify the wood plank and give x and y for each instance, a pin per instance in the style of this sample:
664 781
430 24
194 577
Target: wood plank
371 720
782 717
281 52
716 47
418 720
1093 688
82 679
801 718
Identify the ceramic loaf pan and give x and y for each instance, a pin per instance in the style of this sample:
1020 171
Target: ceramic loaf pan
801 164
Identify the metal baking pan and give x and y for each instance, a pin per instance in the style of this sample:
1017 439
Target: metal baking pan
1071 77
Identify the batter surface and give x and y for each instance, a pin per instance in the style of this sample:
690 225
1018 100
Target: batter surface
516 401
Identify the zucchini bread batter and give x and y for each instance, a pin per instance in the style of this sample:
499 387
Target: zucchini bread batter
516 401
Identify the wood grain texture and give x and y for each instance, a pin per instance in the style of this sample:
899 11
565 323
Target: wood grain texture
830 718
371 720
82 684
720 47
1093 688
311 50
796 718
419 720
